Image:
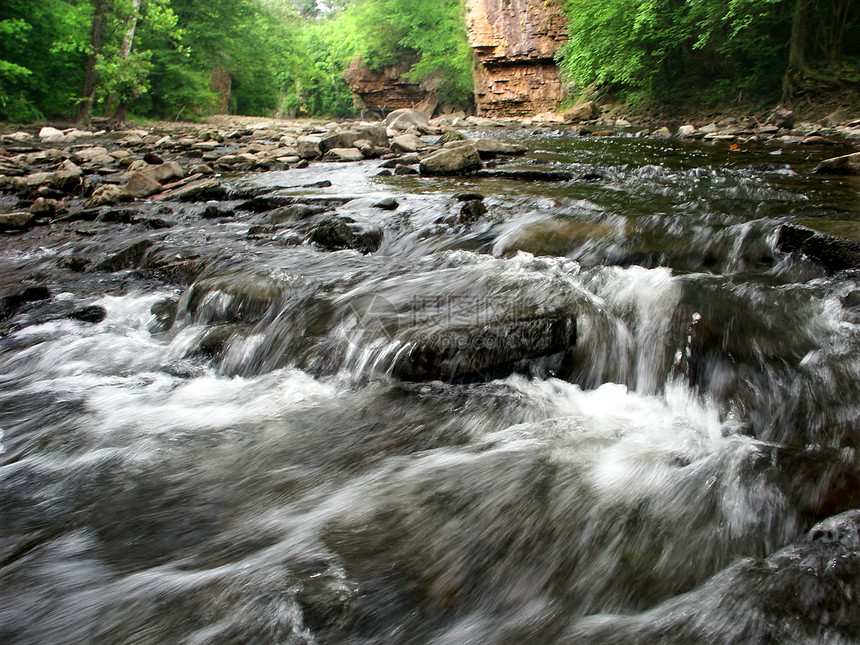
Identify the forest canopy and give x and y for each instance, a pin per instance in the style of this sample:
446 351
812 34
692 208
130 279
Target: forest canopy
175 59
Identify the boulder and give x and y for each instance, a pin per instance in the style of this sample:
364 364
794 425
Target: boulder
401 169
686 130
127 258
405 118
345 139
479 353
308 147
406 143
142 185
16 221
44 207
584 111
844 165
453 161
832 252
12 301
337 232
781 118
489 148
198 190
52 135
376 134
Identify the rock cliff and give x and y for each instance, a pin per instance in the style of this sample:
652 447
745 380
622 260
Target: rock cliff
383 92
515 42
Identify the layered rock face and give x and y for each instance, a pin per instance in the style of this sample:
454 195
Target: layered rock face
515 42
385 91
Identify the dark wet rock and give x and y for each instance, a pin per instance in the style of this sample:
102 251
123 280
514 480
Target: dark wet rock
453 161
117 215
302 164
526 175
401 169
384 173
265 203
16 221
293 212
153 159
387 204
14 300
168 265
128 258
325 183
232 297
213 211
832 252
164 312
804 593
591 176
555 237
153 223
336 233
782 118
844 165
468 197
486 352
93 314
75 263
142 185
471 211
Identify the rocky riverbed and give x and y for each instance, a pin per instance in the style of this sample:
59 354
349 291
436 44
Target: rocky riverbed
457 380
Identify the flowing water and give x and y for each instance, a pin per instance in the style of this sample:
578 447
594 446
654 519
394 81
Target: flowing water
607 410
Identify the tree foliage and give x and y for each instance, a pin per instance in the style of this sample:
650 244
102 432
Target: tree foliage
673 49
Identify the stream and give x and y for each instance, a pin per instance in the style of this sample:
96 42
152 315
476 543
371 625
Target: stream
608 409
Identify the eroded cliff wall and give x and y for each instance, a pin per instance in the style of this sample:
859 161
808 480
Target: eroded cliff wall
515 42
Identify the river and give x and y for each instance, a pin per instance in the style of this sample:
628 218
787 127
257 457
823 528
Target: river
606 410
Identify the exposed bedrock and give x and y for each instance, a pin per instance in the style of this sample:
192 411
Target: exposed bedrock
515 43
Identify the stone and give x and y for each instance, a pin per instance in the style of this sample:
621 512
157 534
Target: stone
401 169
711 128
308 147
345 139
489 148
199 190
584 111
686 130
107 195
387 204
843 165
662 132
833 252
406 143
39 178
93 314
837 117
52 135
142 185
781 118
527 175
471 211
92 154
386 89
16 221
44 207
452 161
343 154
128 258
376 134
165 172
336 233
405 118
11 302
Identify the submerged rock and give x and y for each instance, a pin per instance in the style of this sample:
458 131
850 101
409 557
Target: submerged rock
128 258
527 175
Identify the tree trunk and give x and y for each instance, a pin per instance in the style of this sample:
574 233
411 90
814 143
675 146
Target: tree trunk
124 51
92 77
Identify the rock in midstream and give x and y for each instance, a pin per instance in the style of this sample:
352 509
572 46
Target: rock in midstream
478 353
833 252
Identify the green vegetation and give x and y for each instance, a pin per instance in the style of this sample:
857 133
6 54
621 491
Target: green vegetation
189 58
712 50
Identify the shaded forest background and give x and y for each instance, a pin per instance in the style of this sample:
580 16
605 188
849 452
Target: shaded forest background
185 59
